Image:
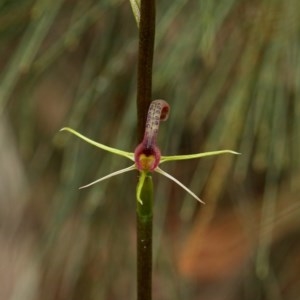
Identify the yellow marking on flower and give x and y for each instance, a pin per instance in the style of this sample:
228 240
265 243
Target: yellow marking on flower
146 162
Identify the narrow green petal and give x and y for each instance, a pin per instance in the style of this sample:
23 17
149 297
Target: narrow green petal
140 186
101 146
110 175
160 171
197 155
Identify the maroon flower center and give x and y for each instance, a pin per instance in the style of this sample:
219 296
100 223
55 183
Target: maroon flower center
147 154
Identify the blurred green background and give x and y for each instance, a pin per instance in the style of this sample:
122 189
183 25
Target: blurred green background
231 72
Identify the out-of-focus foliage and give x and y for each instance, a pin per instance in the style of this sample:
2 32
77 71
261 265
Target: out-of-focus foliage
231 73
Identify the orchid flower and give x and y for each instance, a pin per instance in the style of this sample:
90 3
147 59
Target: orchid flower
147 157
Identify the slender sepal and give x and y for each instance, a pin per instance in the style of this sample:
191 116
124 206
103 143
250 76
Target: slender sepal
110 175
160 171
129 155
197 155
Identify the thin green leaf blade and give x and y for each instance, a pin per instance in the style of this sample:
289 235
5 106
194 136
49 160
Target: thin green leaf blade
136 8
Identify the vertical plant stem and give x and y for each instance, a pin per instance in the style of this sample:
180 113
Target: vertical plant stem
145 60
144 97
144 241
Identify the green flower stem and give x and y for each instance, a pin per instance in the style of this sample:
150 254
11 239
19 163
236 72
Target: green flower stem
144 240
